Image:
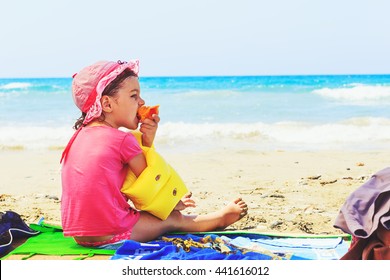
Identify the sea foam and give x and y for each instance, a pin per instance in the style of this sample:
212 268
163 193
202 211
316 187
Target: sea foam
353 134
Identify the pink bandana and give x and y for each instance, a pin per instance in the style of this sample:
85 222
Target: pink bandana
98 80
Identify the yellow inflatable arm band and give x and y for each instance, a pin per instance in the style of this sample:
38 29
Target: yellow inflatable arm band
158 189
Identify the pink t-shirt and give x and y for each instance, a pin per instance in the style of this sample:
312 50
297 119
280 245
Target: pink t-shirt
92 175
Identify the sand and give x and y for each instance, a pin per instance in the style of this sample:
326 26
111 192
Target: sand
286 191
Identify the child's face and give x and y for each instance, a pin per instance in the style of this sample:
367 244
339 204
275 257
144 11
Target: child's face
127 101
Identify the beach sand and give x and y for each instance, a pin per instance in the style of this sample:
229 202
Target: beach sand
287 192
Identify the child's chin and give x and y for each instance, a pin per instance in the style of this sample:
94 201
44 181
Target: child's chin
131 126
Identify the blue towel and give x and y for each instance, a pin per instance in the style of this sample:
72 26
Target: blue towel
298 248
239 247
160 250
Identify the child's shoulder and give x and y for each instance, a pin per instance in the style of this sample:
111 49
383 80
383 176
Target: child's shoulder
106 131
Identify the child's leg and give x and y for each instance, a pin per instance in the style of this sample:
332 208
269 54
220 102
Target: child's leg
149 227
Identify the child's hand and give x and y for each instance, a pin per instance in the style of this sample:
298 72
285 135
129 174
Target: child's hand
185 202
149 129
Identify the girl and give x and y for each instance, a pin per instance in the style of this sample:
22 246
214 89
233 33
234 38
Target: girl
94 211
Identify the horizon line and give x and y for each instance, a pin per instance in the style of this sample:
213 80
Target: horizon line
213 76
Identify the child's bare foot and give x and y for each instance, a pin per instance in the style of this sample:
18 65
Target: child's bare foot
233 212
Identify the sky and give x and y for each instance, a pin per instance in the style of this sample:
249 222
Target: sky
46 38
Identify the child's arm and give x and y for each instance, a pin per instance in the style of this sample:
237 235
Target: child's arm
137 164
149 129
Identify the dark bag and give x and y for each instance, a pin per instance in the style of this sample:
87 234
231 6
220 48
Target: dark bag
12 226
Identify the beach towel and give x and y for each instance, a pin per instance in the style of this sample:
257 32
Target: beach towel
234 246
224 245
51 241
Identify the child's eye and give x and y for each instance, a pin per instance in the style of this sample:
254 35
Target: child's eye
134 96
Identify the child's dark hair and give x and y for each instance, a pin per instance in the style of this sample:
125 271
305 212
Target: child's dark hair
110 90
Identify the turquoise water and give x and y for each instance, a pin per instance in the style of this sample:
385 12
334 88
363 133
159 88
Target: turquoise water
260 112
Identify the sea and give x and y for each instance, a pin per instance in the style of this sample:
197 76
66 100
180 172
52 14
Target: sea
264 113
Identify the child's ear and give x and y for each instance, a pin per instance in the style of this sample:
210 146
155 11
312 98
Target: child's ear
106 104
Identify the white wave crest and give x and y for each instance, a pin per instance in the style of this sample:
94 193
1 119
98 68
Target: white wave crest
356 133
16 85
31 137
357 93
352 134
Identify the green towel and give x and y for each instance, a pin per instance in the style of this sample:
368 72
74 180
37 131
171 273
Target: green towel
51 241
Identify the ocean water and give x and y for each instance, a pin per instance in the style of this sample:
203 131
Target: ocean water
343 112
